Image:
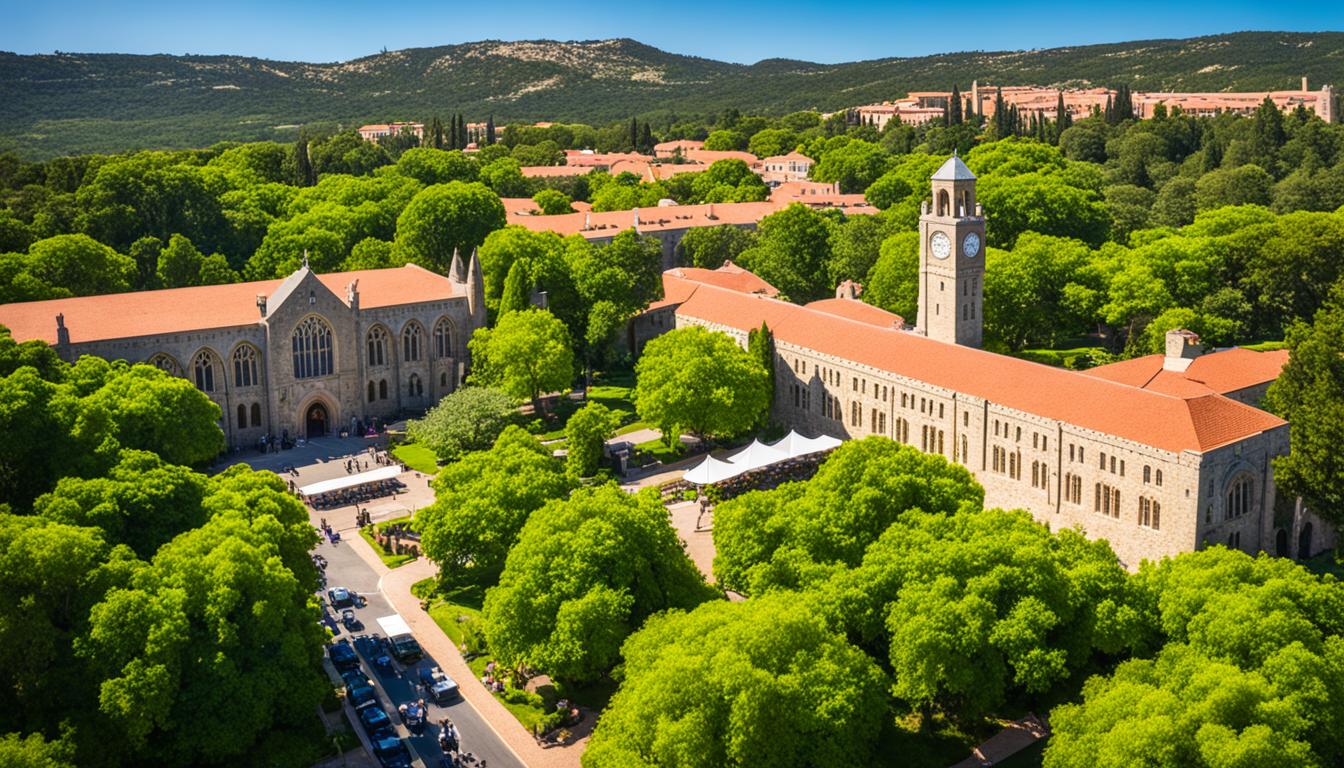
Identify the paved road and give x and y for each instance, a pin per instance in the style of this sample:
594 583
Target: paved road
345 568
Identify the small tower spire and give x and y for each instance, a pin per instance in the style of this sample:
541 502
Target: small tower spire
475 291
305 258
455 272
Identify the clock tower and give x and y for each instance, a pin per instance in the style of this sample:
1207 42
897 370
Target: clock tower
952 258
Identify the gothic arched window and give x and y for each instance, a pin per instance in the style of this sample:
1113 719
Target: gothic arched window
377 346
412 340
165 362
443 338
242 416
311 345
203 367
371 392
414 386
382 389
1239 496
245 366
256 414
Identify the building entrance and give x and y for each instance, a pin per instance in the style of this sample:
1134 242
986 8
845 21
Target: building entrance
315 421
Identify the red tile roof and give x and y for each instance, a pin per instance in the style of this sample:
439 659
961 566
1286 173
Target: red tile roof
729 276
178 310
859 311
1217 372
1143 416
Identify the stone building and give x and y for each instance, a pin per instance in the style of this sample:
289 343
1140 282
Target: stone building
1159 455
306 356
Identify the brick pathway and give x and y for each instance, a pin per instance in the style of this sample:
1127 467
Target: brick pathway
1014 738
395 584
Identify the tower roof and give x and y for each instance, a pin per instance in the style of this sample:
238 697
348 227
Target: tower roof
953 170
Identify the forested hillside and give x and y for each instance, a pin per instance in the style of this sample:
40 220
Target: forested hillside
62 103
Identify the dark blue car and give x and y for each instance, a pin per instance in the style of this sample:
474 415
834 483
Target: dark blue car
358 688
342 655
374 719
390 750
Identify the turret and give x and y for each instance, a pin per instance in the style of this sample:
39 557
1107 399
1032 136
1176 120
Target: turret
475 291
455 272
352 294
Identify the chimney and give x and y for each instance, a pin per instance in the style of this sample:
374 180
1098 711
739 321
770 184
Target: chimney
1304 82
1182 348
62 333
710 215
587 221
261 303
352 294
848 290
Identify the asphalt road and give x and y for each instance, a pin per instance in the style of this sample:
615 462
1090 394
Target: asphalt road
347 569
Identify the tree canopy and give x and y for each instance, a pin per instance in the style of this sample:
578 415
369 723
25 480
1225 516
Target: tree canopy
526 355
700 381
468 419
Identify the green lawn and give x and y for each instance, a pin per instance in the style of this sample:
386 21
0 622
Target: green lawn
1266 346
614 390
417 457
390 560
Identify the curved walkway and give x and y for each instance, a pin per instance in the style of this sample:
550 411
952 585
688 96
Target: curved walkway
395 584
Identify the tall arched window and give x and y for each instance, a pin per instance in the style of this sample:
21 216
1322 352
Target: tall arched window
165 362
377 346
414 386
443 338
242 416
311 345
1239 496
372 394
382 389
256 414
412 341
203 367
245 366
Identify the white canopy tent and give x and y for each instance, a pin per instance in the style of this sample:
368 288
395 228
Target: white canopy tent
350 481
757 455
795 445
711 470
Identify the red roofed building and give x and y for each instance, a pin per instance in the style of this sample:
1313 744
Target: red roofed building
301 357
1159 455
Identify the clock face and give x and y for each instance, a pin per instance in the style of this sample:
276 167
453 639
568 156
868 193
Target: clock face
940 245
971 245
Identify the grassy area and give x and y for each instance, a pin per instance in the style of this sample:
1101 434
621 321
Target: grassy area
615 390
659 450
1078 358
1267 346
390 560
417 457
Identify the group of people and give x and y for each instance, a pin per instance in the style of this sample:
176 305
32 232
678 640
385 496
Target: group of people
362 493
490 681
449 740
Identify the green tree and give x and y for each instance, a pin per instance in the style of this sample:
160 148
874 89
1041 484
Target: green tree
622 563
370 253
468 419
526 354
586 433
152 410
1243 185
772 141
215 644
893 281
856 165
505 247
700 381
444 218
761 346
1024 288
1044 203
481 503
552 202
725 140
505 177
796 535
1309 393
517 289
179 263
80 264
855 246
793 247
32 751
710 247
435 166
762 682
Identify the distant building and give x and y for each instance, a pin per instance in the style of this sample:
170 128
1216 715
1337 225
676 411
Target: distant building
921 107
376 131
669 149
779 169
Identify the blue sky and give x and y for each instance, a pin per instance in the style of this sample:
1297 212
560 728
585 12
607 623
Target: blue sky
332 30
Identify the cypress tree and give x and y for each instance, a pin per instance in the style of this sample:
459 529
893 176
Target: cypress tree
646 139
634 133
517 293
303 164
436 133
490 129
968 112
954 116
761 345
1109 113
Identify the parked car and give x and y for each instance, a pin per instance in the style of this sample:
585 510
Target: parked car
439 685
341 597
351 621
405 648
390 750
358 688
374 718
342 655
375 649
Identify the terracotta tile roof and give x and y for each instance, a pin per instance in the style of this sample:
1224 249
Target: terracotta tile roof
710 156
652 219
682 144
729 276
1217 372
177 310
858 311
795 157
548 171
1143 416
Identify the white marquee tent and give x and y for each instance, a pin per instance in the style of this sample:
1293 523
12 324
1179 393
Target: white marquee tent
756 456
350 481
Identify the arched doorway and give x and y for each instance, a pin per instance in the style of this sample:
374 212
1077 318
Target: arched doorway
315 420
1281 543
1304 542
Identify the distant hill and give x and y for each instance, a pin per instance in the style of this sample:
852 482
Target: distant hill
54 104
